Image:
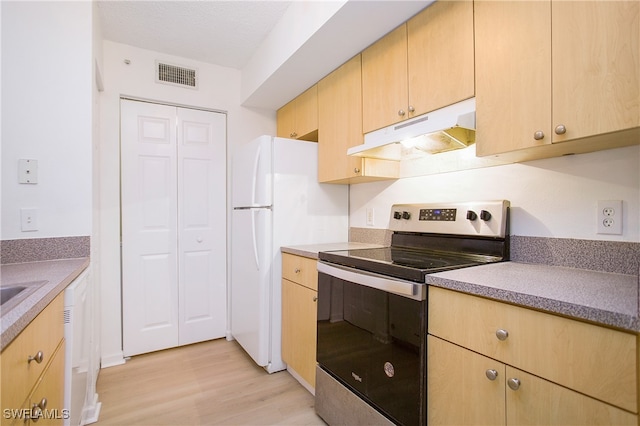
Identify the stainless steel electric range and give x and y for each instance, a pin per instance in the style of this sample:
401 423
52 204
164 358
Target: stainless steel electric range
372 308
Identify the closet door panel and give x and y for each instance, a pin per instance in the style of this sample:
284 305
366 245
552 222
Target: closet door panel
173 226
202 225
149 227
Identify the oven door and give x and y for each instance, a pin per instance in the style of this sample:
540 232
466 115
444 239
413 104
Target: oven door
372 338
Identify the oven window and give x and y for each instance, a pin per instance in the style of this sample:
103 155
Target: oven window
374 343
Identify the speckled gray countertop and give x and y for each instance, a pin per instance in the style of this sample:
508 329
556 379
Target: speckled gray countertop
312 250
600 297
56 276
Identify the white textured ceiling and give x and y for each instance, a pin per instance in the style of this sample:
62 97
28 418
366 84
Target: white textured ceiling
230 32
225 33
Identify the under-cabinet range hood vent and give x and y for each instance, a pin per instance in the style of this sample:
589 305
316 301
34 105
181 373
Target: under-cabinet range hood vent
445 129
176 75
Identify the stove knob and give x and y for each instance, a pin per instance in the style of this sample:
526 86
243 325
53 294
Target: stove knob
485 215
397 215
471 215
406 215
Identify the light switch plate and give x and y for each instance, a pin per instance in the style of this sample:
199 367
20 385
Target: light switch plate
27 171
29 219
370 216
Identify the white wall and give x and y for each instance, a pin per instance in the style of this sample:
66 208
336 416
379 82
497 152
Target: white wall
47 116
299 23
549 198
219 89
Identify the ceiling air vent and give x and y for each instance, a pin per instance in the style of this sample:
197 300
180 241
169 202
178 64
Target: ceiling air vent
179 76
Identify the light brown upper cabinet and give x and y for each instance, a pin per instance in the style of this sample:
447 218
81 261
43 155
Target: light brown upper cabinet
424 64
440 56
340 121
556 71
384 81
299 118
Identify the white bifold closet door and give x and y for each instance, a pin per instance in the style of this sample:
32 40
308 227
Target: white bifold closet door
173 198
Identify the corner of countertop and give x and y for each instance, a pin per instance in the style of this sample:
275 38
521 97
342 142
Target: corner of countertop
311 250
58 274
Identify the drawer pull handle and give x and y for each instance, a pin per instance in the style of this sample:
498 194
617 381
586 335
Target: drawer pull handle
502 334
491 374
513 383
36 410
38 358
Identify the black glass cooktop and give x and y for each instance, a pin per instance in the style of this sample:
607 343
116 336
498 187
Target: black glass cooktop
405 263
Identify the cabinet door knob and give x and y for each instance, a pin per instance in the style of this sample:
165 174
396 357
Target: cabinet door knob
43 403
491 374
36 410
315 298
560 129
513 383
293 134
356 170
297 270
539 135
37 358
401 113
502 334
36 413
411 109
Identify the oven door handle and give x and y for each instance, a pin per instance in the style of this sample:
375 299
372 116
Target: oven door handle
409 289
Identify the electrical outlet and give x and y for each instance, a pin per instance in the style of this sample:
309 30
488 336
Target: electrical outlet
28 220
610 217
370 216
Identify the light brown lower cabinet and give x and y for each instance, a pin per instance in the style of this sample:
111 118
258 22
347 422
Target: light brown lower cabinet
299 316
466 388
32 367
46 400
495 363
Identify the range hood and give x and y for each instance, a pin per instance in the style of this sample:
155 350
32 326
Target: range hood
445 129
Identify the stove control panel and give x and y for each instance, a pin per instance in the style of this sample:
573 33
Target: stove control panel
437 214
486 218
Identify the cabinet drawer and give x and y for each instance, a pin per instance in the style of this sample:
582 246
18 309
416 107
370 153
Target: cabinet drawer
594 360
43 334
540 402
51 389
301 270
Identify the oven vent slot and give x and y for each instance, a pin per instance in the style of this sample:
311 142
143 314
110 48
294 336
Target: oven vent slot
176 75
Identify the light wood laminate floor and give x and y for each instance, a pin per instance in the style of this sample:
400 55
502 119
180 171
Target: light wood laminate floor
210 383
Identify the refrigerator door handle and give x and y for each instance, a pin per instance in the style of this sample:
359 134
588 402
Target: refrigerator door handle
253 236
254 178
252 208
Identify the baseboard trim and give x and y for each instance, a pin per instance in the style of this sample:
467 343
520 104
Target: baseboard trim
302 381
112 360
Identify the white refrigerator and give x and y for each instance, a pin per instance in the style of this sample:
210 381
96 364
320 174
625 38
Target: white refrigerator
277 201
